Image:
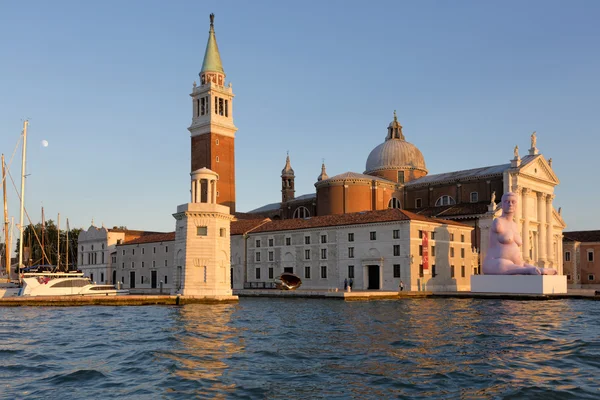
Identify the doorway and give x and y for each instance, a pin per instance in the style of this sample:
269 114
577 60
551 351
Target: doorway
153 280
132 280
373 277
114 281
289 269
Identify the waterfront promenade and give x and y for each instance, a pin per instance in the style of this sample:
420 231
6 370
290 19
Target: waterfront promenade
366 295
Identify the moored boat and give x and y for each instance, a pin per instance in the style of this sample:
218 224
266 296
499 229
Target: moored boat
288 281
65 284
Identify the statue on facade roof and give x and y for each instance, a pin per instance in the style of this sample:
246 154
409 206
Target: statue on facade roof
504 255
516 152
493 201
550 162
533 140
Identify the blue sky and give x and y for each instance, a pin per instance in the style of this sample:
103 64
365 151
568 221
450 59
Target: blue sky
107 85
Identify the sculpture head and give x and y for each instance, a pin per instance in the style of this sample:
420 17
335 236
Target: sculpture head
509 203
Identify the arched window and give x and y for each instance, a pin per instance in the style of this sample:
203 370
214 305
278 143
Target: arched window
445 200
301 212
394 203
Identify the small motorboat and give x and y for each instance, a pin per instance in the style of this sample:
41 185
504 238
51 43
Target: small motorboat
288 281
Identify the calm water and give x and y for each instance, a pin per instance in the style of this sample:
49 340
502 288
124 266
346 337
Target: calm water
294 348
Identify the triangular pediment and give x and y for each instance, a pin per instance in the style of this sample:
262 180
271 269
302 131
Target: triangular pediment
539 169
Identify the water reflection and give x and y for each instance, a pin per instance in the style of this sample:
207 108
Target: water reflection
206 339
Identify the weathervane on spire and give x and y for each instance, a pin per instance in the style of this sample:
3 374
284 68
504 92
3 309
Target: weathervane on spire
212 19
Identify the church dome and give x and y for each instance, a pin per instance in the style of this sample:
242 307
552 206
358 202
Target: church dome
395 153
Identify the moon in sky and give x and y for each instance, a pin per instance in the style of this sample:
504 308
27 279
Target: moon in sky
44 143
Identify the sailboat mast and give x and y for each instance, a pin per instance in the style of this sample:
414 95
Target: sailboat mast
58 243
21 228
67 259
6 240
43 234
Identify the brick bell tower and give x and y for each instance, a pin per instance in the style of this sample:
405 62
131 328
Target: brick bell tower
212 129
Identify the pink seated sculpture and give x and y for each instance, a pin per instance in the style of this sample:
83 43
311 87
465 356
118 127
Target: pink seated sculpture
504 253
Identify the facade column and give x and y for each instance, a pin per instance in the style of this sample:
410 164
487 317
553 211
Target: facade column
519 212
208 191
541 216
193 191
551 260
214 199
525 226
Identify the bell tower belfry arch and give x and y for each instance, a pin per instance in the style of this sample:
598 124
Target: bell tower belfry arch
212 130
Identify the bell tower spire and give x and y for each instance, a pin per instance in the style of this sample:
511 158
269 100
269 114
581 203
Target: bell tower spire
212 129
287 181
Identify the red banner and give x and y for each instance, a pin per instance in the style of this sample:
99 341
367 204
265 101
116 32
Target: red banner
425 251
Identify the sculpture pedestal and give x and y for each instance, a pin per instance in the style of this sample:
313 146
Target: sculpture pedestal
519 284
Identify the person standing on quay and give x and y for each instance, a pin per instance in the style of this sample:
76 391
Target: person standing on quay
401 286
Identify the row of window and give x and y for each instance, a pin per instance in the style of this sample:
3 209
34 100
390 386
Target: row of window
590 256
144 250
203 231
221 106
143 264
462 251
92 247
323 238
307 274
432 236
143 279
434 272
92 258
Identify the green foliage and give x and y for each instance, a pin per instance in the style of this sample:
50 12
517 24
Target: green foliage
33 238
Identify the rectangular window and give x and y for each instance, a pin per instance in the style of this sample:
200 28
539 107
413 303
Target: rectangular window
324 272
221 110
257 242
590 256
420 249
270 273
307 272
462 271
351 271
166 249
350 252
306 239
433 273
133 252
373 235
351 237
153 264
396 250
420 234
590 277
166 280
257 256
288 241
568 277
418 203
323 238
133 264
226 108
396 233
323 254
452 271
421 271
270 256
154 250
452 237
396 270
142 264
474 197
567 256
307 254
223 232
165 263
451 251
257 273
432 251
270 242
462 253
122 265
143 250
462 238
432 235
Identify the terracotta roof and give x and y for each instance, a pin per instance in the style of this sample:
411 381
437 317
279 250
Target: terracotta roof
582 236
456 210
353 176
151 237
364 217
242 226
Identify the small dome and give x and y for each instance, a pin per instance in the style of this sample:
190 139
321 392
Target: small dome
395 154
